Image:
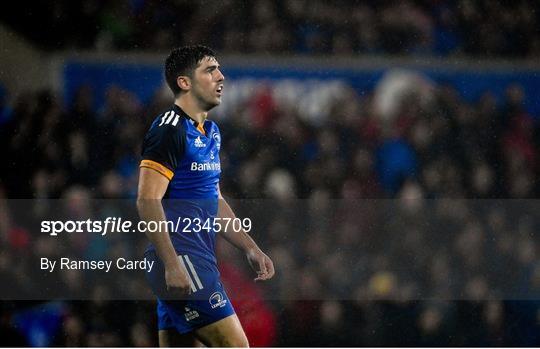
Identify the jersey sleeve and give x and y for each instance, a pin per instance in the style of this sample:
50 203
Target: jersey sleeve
162 149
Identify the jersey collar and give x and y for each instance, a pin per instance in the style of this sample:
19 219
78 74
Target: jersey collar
182 113
196 124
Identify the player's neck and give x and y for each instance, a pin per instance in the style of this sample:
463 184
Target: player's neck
192 109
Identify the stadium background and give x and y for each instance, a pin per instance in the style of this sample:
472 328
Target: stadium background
324 100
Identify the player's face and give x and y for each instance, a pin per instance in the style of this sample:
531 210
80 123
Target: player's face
208 83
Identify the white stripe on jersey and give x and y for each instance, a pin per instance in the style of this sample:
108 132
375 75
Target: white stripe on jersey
176 119
170 118
164 117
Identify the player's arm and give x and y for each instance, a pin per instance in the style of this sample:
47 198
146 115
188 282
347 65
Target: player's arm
258 260
152 187
161 149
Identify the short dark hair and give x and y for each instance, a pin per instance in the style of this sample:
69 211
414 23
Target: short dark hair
183 61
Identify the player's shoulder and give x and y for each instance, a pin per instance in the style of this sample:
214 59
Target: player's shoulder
171 119
165 136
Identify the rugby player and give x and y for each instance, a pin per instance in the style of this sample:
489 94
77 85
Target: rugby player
180 163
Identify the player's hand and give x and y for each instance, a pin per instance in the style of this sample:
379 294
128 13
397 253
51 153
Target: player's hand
261 263
177 280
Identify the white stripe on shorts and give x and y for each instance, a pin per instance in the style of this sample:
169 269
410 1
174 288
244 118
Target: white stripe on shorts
193 289
194 272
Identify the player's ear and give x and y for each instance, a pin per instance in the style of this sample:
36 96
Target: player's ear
183 82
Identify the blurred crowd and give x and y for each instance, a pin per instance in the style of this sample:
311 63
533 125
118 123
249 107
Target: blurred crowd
445 148
427 268
344 27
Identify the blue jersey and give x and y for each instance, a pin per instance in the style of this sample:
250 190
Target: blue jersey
187 153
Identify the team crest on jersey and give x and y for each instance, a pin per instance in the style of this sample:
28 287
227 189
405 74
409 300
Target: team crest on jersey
199 143
216 300
217 138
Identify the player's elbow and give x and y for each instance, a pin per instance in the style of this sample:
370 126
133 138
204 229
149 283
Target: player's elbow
144 201
140 203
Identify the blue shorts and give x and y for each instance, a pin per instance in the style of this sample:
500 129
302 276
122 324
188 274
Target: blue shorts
207 303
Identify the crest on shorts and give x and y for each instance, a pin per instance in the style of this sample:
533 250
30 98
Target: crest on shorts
216 300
